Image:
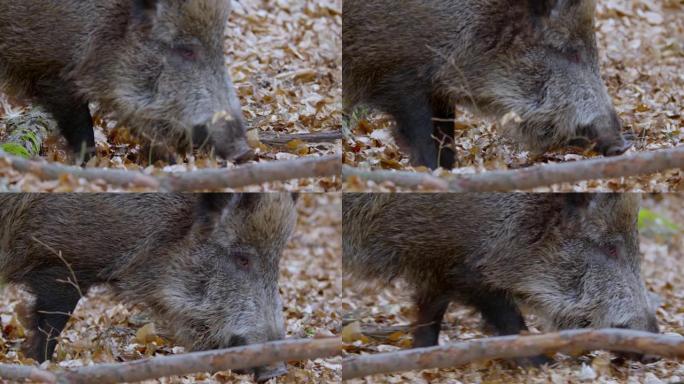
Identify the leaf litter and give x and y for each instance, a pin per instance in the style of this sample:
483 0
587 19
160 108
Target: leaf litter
103 330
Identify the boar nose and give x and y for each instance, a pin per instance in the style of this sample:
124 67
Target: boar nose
246 155
263 374
613 147
606 130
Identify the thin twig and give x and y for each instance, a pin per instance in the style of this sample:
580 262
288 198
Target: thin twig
274 139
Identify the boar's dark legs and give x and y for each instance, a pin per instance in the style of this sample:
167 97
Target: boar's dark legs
55 301
431 309
503 315
414 127
72 115
499 312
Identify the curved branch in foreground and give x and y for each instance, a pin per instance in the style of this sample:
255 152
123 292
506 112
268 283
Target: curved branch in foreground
21 373
249 356
200 180
508 347
642 163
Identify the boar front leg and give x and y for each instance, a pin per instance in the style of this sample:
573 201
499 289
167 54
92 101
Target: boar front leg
431 308
72 115
413 114
502 314
55 301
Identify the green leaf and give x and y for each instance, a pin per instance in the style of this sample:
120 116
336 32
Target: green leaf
649 220
16 150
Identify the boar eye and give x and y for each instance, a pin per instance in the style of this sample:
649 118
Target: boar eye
187 52
612 250
573 55
242 260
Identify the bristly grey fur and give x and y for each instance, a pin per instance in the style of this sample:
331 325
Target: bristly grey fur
206 265
417 59
158 70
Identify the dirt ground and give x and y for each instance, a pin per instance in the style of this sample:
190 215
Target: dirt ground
103 330
641 47
285 60
663 267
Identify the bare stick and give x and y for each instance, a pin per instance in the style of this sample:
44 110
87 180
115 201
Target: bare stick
274 139
413 180
252 174
22 373
209 361
201 180
508 347
642 163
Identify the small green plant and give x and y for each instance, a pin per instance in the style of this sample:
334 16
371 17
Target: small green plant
652 221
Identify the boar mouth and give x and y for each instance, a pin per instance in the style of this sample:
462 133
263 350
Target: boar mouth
236 341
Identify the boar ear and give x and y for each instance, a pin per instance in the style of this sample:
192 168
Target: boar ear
144 10
210 206
564 8
578 200
542 7
245 201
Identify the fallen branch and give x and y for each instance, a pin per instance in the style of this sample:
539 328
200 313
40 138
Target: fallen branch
508 347
643 163
22 373
200 180
412 180
274 139
249 356
209 361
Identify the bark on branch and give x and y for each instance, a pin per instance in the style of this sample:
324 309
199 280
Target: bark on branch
274 139
177 365
201 180
508 347
643 163
21 373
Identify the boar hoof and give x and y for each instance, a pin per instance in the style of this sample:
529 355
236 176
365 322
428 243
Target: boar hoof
263 374
245 157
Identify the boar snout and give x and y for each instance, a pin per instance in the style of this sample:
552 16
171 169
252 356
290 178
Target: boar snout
263 374
228 138
606 131
648 323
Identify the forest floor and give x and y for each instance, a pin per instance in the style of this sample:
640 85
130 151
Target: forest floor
105 331
662 246
285 60
641 46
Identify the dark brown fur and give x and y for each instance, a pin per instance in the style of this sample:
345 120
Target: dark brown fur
571 259
206 265
158 66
